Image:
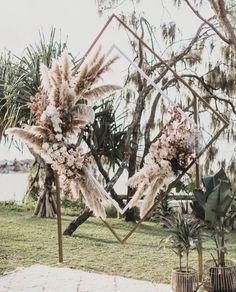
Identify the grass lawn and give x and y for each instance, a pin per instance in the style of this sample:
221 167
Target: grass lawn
25 240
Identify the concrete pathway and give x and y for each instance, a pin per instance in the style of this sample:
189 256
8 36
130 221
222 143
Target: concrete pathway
39 278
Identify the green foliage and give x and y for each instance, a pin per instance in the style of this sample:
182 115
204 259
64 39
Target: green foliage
162 211
27 240
68 207
214 206
12 206
232 213
107 133
111 212
20 78
184 232
66 203
217 198
168 31
187 187
72 208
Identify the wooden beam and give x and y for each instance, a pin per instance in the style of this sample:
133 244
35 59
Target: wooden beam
59 228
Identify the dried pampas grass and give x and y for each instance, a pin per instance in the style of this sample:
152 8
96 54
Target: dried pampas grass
100 91
142 188
61 109
32 140
65 67
84 113
94 194
39 131
150 195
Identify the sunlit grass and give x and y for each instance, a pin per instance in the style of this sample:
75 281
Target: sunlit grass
26 240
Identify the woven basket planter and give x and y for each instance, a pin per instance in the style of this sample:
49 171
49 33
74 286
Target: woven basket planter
220 279
184 281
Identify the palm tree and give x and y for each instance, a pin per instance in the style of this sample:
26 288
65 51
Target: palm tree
19 80
61 108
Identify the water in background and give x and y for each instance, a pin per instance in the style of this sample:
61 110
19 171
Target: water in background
13 186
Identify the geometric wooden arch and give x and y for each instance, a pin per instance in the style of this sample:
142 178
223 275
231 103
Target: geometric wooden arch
197 98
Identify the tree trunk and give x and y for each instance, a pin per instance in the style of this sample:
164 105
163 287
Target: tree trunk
77 222
130 214
87 213
46 205
32 191
219 8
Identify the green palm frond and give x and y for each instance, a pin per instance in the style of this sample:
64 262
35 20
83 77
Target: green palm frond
108 133
20 79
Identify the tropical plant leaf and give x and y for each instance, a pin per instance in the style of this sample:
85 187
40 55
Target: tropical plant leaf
200 196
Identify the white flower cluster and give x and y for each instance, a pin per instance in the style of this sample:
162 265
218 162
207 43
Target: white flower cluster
175 144
64 159
51 114
167 157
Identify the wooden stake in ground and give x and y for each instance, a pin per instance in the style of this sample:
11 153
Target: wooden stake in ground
59 229
197 172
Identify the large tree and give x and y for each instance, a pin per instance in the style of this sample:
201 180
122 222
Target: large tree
205 60
220 67
136 134
215 82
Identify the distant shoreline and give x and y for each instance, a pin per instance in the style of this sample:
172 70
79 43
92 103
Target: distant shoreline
15 166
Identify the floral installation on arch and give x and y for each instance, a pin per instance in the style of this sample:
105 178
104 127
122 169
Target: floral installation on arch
61 108
167 157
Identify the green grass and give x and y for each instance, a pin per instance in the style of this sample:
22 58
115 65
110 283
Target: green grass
25 240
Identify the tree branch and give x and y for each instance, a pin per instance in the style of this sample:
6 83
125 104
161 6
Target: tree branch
218 7
207 22
208 88
177 58
104 173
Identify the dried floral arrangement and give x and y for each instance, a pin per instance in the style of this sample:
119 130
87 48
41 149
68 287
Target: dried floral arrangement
167 157
61 108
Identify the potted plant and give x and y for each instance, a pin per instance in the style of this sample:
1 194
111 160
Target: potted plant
213 206
184 232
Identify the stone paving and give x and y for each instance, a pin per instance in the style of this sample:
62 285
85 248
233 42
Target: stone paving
39 278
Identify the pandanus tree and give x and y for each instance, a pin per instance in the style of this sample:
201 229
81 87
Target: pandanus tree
19 80
61 108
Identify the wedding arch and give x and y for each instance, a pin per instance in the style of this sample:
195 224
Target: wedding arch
63 106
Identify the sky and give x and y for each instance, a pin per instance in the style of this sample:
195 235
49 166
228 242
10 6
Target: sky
21 21
79 19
